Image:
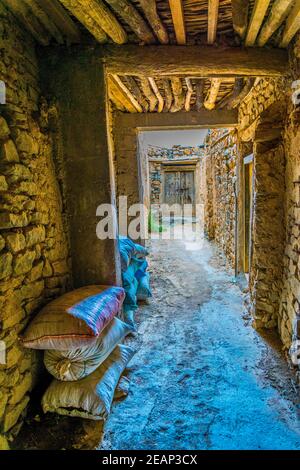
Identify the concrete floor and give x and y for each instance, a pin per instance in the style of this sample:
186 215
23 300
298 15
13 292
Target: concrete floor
202 378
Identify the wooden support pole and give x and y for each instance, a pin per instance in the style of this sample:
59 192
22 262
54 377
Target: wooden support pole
292 25
178 20
150 11
213 12
258 14
278 14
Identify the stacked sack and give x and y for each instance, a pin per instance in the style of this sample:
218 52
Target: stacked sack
135 277
81 336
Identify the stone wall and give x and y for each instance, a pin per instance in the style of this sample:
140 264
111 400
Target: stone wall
274 130
267 235
289 312
220 168
34 261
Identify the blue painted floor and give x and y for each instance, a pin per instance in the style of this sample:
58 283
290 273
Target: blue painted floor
202 377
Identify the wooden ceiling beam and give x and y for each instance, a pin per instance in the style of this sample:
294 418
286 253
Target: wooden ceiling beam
292 25
180 120
150 11
62 19
195 61
125 94
258 14
97 18
213 13
157 94
177 13
278 14
211 98
131 16
240 10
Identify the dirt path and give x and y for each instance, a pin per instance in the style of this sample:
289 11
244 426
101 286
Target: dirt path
202 378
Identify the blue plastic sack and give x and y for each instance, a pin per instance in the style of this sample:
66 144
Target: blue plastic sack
143 290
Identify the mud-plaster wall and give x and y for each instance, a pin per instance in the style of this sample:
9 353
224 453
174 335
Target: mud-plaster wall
34 258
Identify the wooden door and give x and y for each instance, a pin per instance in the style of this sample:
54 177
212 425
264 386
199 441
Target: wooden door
179 187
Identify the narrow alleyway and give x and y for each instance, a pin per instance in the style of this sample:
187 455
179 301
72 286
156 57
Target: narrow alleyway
202 378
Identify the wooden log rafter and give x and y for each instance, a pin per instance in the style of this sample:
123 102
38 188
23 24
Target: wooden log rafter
131 16
195 61
150 11
250 82
127 94
31 23
199 94
97 18
45 20
178 95
189 93
240 9
292 25
213 13
133 86
211 98
177 13
278 14
168 94
63 21
148 92
227 100
157 94
117 95
258 14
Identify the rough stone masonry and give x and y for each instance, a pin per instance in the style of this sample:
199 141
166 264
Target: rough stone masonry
34 261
